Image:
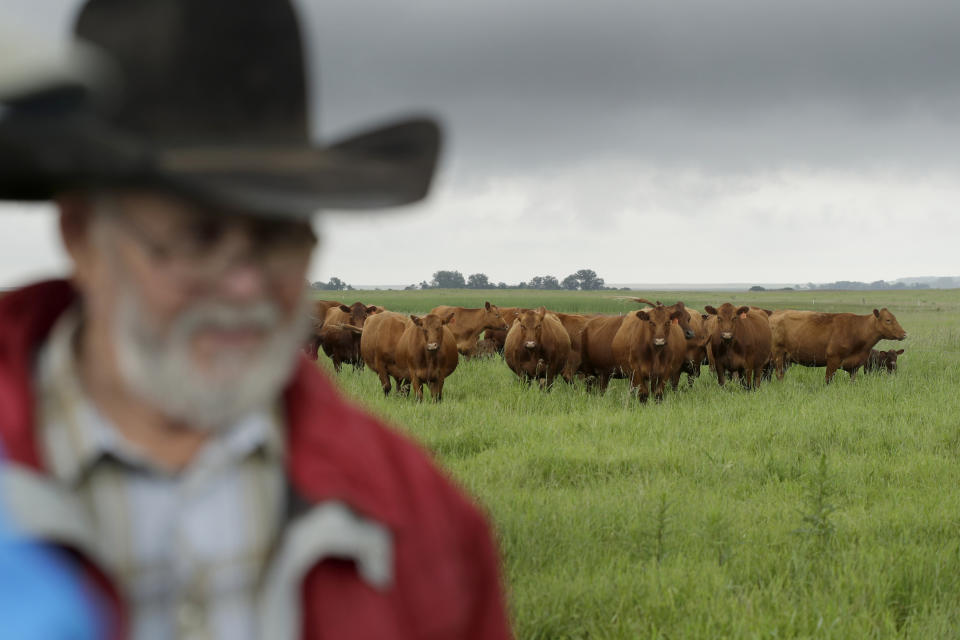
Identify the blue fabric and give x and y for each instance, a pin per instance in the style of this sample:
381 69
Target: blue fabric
41 594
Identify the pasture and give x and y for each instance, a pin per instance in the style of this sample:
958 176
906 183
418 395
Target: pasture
799 510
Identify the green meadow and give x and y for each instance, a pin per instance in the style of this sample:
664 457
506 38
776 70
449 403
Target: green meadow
797 511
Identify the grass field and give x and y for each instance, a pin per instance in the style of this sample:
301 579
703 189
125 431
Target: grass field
799 510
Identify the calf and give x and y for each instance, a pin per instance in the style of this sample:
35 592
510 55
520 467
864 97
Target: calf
880 360
537 347
740 342
427 352
468 324
835 340
650 348
340 335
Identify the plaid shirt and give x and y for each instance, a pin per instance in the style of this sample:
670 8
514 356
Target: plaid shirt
188 548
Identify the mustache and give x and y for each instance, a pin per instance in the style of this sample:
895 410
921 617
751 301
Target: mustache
263 316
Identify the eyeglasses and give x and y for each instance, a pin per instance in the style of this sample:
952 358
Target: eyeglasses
204 246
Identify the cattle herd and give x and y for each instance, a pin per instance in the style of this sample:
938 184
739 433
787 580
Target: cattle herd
649 347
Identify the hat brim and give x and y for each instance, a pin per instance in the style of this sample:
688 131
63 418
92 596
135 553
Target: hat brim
385 166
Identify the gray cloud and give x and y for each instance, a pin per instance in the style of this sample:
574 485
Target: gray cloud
733 84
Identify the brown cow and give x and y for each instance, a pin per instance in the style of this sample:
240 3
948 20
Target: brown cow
340 335
740 342
378 348
468 324
318 311
696 346
835 340
537 347
596 351
427 352
882 360
650 349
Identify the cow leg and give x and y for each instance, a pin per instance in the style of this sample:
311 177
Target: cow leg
403 386
853 372
336 364
832 366
643 390
658 385
385 381
417 385
780 364
721 374
436 389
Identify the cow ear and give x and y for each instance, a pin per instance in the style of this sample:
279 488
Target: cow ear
742 311
449 319
704 316
876 313
542 311
643 315
371 309
899 352
676 315
768 312
344 308
710 310
486 305
417 321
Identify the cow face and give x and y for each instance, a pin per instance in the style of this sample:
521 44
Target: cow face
431 326
727 318
531 328
358 313
494 319
661 319
888 359
887 325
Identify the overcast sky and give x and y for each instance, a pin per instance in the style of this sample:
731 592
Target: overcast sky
652 141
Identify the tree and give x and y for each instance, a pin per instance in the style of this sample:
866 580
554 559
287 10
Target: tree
587 280
335 284
757 287
478 281
501 285
550 282
448 280
424 284
570 282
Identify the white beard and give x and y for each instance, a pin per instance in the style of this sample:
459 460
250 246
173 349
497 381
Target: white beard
160 368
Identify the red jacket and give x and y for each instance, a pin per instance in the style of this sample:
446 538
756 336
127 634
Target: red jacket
443 579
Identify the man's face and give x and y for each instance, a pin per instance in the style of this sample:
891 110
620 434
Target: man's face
206 310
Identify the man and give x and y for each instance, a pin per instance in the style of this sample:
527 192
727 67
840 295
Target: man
156 419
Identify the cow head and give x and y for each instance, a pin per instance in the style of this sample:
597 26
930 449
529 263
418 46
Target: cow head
887 325
431 326
358 313
531 327
661 319
727 318
493 319
888 359
683 320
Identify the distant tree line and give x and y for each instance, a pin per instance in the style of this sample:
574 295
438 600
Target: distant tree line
334 284
582 280
851 285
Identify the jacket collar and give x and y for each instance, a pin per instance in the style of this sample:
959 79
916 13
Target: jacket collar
335 450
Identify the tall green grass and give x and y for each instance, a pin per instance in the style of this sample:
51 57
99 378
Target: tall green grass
799 510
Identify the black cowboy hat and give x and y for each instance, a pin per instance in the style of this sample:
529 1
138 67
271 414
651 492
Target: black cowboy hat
208 99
